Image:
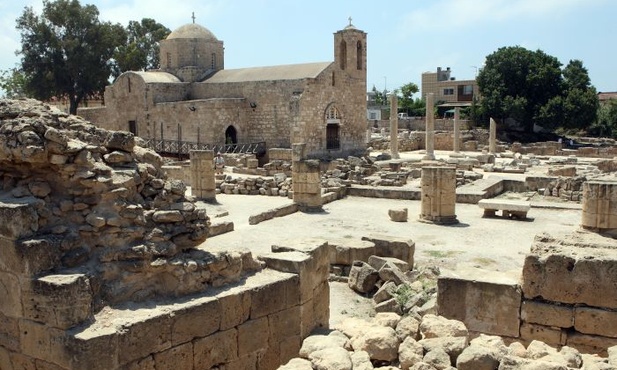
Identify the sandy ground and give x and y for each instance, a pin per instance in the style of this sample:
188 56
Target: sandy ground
494 244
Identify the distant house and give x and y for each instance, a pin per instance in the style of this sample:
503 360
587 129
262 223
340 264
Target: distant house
604 97
449 92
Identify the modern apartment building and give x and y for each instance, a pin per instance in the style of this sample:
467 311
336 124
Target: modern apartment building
449 92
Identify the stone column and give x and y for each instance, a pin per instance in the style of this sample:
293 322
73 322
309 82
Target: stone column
600 206
430 127
492 138
203 184
394 126
456 145
438 195
306 180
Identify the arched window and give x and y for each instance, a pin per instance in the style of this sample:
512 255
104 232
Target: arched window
213 61
168 60
231 135
343 54
359 55
333 81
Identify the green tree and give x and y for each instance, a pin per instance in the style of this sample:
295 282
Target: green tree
405 97
518 83
580 99
381 98
606 123
66 50
13 82
141 50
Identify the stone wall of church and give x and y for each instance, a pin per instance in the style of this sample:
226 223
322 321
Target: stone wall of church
333 86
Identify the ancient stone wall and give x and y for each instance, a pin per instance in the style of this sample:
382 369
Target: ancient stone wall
102 267
565 296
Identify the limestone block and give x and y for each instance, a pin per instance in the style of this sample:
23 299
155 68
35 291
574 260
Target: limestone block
321 306
218 348
307 318
283 325
290 348
175 358
362 277
345 251
390 246
235 307
599 205
61 301
9 333
589 320
547 314
252 163
377 262
19 219
485 302
95 348
275 295
148 332
398 215
390 272
248 338
247 362
45 343
204 311
28 257
574 270
553 336
313 271
586 343
10 291
221 228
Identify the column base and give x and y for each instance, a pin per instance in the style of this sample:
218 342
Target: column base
438 220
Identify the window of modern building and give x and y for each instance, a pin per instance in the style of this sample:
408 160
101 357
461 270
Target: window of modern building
448 91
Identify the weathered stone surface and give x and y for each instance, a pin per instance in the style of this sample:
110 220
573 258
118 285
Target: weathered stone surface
389 246
362 277
410 353
346 251
377 262
547 314
437 326
334 358
577 268
398 215
487 303
380 342
595 321
297 364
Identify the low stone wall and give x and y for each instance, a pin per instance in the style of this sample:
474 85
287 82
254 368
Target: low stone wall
566 296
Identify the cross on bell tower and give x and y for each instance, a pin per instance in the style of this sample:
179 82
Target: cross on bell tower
193 16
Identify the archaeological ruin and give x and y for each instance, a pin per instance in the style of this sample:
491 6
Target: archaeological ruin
113 257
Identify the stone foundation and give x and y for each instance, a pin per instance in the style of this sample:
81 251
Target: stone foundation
566 296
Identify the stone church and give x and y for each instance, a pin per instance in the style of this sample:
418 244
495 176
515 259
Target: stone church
193 98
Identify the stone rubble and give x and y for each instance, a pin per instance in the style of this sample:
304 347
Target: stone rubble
390 341
82 200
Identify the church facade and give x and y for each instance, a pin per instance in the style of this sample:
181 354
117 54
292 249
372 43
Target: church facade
193 98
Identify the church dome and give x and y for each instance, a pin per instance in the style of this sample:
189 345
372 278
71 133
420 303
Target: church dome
192 31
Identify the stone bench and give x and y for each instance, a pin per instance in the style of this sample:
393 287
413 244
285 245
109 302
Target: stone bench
510 208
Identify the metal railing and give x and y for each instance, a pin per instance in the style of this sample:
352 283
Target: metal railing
185 147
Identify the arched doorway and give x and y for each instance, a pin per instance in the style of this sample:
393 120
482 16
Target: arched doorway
333 121
231 135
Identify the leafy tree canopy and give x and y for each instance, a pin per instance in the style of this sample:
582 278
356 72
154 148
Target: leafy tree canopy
141 49
13 82
405 96
66 50
531 87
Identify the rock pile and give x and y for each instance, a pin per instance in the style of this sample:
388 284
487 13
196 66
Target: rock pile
394 286
279 185
392 342
76 199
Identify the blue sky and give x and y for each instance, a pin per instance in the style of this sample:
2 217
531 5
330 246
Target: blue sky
405 37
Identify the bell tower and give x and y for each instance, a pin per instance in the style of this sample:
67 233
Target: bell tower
350 51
